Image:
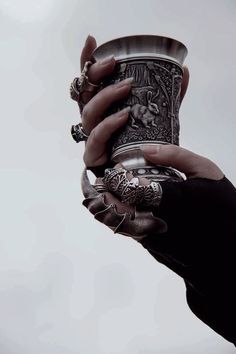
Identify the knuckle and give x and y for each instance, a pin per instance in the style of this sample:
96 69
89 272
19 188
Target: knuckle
87 154
173 151
85 158
211 165
94 73
207 163
95 136
202 166
86 112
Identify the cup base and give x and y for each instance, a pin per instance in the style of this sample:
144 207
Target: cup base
157 173
133 161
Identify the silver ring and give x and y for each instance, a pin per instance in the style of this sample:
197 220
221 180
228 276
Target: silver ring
81 84
139 225
78 133
100 187
131 192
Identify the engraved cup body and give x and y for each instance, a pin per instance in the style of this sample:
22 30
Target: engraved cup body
155 63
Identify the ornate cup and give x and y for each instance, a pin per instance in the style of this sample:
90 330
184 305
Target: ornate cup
155 63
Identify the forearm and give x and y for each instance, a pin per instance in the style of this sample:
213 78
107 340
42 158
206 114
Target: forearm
201 249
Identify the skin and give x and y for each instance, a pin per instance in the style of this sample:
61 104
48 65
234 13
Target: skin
208 260
100 130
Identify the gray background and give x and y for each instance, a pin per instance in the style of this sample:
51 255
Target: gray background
67 284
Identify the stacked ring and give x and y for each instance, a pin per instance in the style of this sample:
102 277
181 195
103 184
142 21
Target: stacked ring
78 86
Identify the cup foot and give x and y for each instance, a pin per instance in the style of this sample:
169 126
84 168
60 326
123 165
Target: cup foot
158 173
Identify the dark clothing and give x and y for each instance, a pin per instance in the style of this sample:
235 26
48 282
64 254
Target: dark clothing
200 246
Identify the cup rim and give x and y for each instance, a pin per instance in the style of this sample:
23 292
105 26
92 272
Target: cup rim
142 45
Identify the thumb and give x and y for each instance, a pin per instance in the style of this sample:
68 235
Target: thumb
191 164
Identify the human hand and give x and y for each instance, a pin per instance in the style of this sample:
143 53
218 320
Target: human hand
99 129
191 164
199 240
182 205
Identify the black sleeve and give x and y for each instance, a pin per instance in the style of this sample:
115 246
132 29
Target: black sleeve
200 246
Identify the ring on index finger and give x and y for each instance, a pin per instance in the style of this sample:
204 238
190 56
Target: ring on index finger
82 84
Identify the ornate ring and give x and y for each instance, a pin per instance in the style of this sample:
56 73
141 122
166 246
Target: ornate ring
131 192
78 133
81 84
137 226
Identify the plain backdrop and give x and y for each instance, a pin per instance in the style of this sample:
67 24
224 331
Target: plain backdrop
67 284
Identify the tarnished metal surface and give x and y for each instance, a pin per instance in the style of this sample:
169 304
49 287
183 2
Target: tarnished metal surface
155 63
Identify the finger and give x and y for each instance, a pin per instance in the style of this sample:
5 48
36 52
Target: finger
96 108
100 69
184 84
90 45
191 164
120 207
111 199
97 72
96 146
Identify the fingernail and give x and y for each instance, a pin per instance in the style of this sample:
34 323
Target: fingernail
150 149
125 82
107 59
122 112
87 39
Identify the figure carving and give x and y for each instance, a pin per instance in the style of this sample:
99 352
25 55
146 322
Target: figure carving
145 114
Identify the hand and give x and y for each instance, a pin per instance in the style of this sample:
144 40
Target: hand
199 244
99 129
191 164
186 208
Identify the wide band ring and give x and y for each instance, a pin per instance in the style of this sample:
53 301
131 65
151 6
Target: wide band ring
137 225
78 133
130 192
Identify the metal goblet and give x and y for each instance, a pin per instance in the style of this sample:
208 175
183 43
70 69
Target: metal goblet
155 63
